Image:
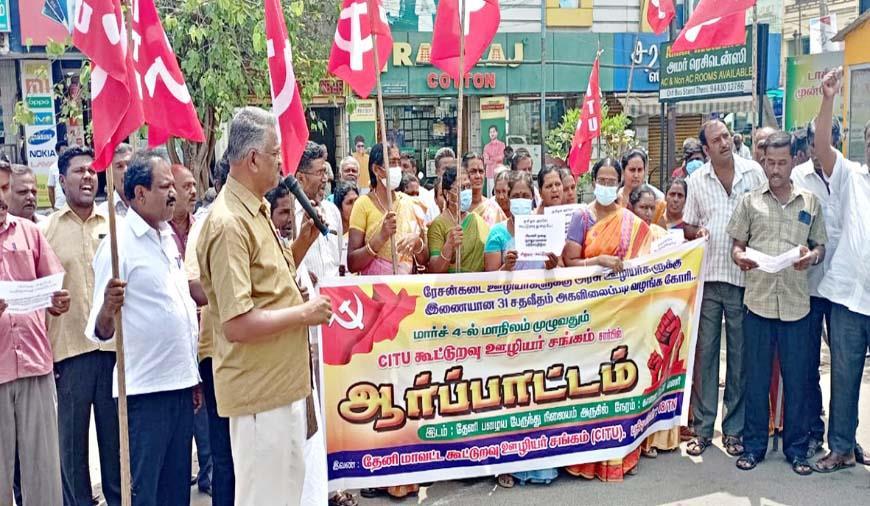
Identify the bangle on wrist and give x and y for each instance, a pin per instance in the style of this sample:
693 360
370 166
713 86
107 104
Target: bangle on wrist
448 260
370 251
421 248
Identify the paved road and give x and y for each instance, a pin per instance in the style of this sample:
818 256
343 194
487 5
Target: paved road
672 479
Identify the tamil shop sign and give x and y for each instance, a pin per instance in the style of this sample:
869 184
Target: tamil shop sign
693 75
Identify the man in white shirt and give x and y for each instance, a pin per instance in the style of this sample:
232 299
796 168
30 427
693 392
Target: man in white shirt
809 176
324 257
846 283
122 156
714 191
160 333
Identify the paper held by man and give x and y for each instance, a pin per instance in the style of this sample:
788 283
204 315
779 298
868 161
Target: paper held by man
775 264
27 296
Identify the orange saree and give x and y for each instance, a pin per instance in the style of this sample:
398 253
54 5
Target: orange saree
624 235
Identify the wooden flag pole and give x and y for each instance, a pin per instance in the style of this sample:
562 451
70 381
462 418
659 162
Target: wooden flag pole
126 488
386 150
459 129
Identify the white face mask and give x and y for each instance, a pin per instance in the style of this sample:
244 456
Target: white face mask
395 177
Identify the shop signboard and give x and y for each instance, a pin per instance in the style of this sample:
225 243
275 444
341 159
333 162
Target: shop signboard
803 80
5 24
859 110
41 133
636 55
695 75
362 121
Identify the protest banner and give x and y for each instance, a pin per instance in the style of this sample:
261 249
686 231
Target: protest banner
441 377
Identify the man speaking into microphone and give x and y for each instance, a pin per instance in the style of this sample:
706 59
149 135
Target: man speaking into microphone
261 366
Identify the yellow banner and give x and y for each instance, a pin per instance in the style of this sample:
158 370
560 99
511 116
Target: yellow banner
440 377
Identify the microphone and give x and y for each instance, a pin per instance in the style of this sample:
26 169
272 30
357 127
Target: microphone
293 185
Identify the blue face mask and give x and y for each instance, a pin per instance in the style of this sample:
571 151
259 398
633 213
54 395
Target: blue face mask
465 200
693 166
605 195
521 207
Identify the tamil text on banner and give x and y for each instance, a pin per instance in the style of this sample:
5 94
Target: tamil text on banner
440 377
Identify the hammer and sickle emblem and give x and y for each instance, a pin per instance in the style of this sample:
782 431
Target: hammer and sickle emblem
355 321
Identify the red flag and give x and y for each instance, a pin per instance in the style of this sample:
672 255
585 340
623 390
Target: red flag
659 14
351 57
286 101
99 33
588 127
359 322
168 108
714 23
480 24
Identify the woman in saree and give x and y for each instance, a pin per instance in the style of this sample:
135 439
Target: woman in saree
635 170
501 255
446 235
642 202
676 200
604 234
489 210
373 223
500 191
345 197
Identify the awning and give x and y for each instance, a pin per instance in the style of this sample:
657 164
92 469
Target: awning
649 105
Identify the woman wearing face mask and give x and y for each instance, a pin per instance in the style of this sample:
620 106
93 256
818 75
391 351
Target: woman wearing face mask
569 187
372 223
676 199
472 164
693 159
596 234
500 253
445 234
605 233
634 172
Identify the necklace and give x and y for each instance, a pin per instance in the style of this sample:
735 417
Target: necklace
379 202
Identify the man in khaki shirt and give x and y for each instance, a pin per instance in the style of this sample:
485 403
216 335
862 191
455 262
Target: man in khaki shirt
223 481
261 365
82 368
773 220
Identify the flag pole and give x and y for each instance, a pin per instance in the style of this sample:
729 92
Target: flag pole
120 361
126 497
386 151
755 119
459 111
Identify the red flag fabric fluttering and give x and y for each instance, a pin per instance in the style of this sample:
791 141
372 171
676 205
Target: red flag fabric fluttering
352 58
480 23
100 34
714 23
659 14
588 127
166 102
286 101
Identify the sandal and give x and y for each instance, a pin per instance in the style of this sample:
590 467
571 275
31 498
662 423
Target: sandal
860 457
801 467
506 481
733 445
342 499
687 434
747 462
832 462
698 446
650 453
